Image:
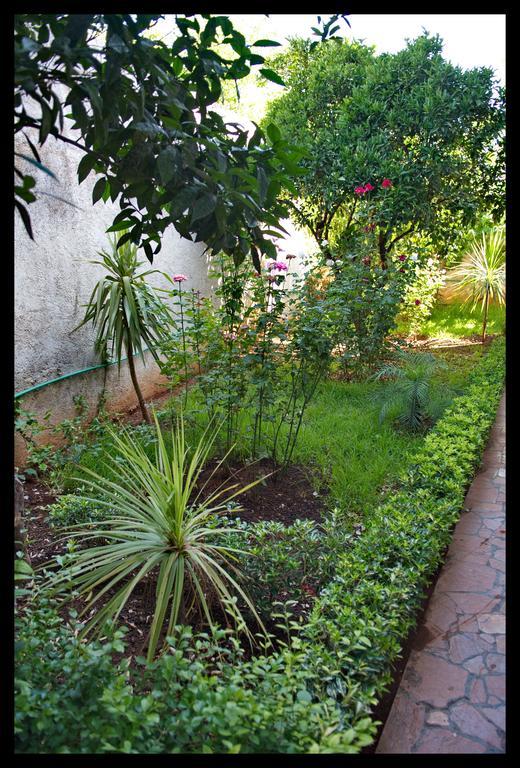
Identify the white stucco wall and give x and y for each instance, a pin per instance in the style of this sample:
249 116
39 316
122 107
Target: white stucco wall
53 279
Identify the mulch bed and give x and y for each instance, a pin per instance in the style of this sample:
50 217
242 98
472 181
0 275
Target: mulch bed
281 497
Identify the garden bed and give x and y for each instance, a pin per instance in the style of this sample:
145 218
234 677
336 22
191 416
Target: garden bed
353 639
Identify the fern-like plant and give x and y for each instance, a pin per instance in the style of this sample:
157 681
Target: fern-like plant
408 396
160 524
481 275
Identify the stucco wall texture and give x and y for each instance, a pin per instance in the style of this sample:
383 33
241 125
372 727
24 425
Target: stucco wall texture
53 279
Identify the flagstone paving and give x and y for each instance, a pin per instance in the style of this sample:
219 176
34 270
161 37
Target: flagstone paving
452 694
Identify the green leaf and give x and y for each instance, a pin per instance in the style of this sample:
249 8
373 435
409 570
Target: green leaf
203 207
99 190
168 163
85 167
264 43
273 132
269 74
22 210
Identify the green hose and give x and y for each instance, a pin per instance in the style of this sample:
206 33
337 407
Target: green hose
68 376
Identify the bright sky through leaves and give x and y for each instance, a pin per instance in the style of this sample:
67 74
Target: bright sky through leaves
470 39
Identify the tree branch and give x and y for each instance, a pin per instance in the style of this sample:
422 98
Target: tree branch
399 237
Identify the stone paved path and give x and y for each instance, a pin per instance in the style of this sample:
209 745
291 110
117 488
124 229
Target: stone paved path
452 694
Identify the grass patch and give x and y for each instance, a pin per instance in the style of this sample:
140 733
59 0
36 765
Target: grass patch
457 321
350 457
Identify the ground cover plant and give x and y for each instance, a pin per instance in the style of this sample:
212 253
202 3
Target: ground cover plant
315 694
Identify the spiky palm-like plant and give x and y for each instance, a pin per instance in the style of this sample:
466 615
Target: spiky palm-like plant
482 273
162 525
408 395
126 311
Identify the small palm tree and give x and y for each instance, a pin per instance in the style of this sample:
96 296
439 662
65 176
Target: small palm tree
482 273
408 396
159 524
126 311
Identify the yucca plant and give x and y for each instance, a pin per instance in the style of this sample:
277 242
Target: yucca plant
159 525
482 273
408 395
126 312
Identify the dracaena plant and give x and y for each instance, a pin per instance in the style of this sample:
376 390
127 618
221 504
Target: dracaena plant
162 523
126 312
482 273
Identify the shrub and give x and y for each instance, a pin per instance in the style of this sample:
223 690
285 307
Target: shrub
71 509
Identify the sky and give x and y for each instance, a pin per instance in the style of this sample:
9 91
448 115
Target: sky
470 39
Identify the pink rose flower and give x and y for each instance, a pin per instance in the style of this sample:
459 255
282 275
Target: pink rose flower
402 257
368 187
359 190
180 278
386 184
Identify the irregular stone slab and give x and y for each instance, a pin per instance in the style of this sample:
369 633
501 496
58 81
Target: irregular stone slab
501 644
472 723
497 715
433 680
476 665
492 623
441 741
464 646
403 725
496 686
466 577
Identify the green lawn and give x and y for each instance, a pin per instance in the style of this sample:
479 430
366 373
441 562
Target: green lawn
458 321
350 457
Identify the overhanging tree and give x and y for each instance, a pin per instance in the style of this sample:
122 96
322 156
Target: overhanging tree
142 109
424 135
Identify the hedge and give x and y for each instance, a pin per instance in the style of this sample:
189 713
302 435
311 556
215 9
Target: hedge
315 695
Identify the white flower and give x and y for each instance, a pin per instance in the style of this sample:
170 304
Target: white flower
324 243
414 257
430 262
329 263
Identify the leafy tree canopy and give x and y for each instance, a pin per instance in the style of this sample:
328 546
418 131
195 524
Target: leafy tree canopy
142 109
433 131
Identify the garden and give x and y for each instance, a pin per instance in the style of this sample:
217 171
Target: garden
236 566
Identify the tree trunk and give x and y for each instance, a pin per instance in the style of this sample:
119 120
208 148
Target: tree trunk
484 324
142 404
382 249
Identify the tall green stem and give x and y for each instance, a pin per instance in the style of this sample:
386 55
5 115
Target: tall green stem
183 346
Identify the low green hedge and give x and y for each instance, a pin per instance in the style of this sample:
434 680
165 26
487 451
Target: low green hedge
316 695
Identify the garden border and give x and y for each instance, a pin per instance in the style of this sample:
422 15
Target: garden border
316 695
